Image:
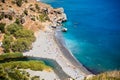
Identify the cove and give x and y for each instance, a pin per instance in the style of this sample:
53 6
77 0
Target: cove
93 32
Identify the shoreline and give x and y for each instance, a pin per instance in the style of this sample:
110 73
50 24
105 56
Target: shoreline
67 53
46 46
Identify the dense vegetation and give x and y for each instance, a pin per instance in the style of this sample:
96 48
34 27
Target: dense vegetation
2 27
16 38
10 56
33 65
12 74
14 70
12 28
113 75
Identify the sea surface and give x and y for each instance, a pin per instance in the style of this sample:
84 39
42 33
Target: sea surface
93 33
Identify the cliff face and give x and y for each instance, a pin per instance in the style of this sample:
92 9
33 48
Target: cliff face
31 14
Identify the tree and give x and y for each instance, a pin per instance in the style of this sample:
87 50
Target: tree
7 43
12 28
21 45
2 27
17 21
27 34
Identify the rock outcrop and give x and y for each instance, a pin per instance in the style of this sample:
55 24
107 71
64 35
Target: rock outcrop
57 16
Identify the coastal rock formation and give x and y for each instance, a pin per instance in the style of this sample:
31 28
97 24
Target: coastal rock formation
57 16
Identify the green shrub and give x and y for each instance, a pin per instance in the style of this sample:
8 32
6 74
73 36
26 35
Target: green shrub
10 17
32 64
12 74
10 70
25 12
2 16
24 38
27 34
7 41
10 55
21 45
12 28
19 3
17 21
33 18
37 7
43 17
2 27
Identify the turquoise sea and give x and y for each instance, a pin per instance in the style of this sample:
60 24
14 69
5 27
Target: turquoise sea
93 32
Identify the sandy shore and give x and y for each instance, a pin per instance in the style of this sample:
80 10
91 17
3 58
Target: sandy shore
46 46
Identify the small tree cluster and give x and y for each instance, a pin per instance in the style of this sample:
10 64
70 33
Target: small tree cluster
21 45
7 73
9 16
3 15
26 34
12 28
7 42
2 27
17 39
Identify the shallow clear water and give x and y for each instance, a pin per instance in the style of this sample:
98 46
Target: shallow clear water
93 32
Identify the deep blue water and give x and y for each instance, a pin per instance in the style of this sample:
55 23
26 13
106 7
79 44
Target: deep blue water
93 32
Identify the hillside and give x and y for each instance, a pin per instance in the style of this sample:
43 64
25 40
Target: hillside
29 14
32 14
111 75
